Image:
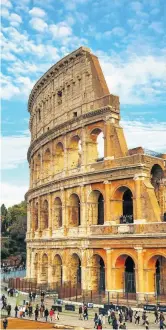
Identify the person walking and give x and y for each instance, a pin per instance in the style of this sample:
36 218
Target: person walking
51 314
80 312
85 315
42 311
30 310
143 318
156 314
147 323
16 310
5 323
8 308
36 314
130 313
114 323
99 325
96 319
46 313
137 318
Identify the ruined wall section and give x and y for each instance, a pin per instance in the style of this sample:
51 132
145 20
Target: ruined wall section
73 86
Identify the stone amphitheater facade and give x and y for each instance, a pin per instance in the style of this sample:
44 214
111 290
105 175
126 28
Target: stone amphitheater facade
96 209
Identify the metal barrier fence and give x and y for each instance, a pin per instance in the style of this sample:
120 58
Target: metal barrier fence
66 291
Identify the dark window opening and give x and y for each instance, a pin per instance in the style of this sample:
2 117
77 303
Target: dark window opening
130 276
102 276
100 210
39 113
127 207
59 93
74 114
48 128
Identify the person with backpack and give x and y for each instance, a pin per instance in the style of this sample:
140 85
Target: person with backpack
46 313
5 323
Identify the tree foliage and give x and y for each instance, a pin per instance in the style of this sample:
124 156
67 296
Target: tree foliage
13 227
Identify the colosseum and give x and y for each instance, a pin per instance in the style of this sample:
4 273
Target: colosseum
96 209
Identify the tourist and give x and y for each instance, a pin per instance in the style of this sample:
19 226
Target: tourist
130 313
156 314
96 319
46 313
114 323
109 316
85 315
137 317
33 296
8 308
51 314
99 325
16 310
146 323
42 311
30 296
80 312
143 318
30 310
5 323
126 315
120 317
56 315
36 314
162 319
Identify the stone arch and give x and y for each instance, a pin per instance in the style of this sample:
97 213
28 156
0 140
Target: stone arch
156 274
75 266
125 279
122 204
74 211
59 158
157 175
44 273
36 219
74 152
98 273
57 270
45 215
47 162
96 208
95 145
57 223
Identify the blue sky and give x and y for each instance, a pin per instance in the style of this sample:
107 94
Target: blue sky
128 37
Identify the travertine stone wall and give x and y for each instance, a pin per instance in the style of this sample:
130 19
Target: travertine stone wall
88 209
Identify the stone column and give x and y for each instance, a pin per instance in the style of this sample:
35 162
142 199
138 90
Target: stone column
64 214
83 207
137 200
139 272
84 271
107 203
65 154
28 217
50 215
108 152
109 270
83 144
50 268
39 217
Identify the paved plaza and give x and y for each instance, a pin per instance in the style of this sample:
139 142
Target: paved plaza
67 318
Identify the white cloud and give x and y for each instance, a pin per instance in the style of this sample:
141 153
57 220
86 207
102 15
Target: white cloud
37 12
136 6
4 12
15 20
60 30
6 3
12 194
14 150
133 78
151 136
157 27
15 87
38 24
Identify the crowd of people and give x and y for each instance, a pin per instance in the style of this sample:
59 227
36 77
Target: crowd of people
116 320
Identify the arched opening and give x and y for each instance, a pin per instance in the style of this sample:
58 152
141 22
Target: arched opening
74 211
47 163
74 152
128 206
122 205
45 215
125 274
129 276
96 208
75 271
58 213
95 146
157 175
157 275
36 220
57 270
98 273
59 158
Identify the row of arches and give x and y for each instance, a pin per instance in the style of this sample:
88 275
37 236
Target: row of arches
95 209
125 279
53 161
